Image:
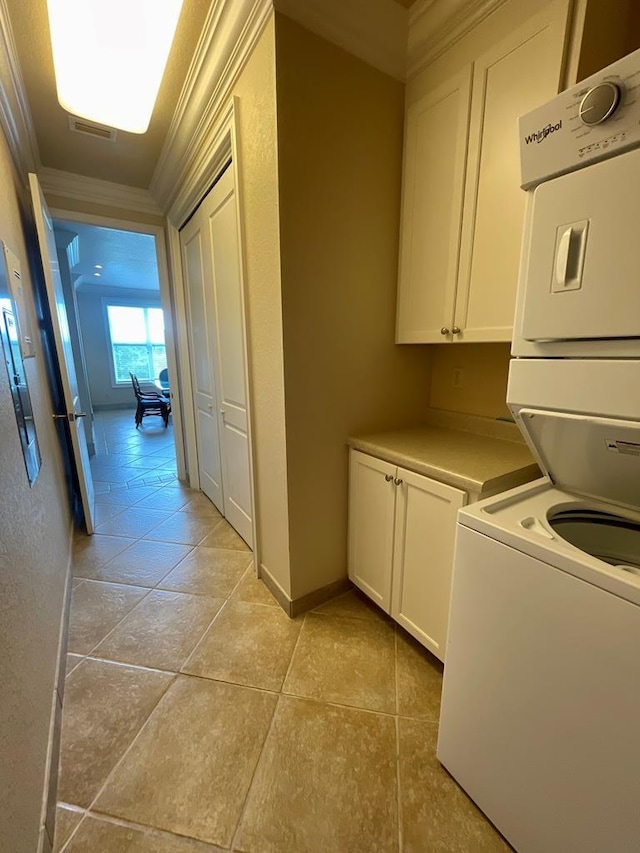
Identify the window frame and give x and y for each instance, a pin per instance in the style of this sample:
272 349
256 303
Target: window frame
119 302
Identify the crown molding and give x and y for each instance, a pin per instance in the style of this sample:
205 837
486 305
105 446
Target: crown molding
81 188
436 25
229 35
15 115
373 30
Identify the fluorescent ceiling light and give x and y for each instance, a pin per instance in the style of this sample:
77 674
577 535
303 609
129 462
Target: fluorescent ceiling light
109 57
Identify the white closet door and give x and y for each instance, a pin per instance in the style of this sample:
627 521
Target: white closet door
200 310
221 248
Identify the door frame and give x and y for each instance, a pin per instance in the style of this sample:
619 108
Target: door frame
222 148
158 232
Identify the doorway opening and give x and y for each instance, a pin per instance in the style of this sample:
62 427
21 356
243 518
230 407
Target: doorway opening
118 321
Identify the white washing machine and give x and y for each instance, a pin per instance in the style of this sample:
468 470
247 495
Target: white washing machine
541 704
540 719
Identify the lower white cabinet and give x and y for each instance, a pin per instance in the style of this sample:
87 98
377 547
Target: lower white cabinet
401 538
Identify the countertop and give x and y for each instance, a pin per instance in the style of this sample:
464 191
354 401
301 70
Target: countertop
476 463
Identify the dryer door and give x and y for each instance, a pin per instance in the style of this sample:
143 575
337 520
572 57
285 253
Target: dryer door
580 272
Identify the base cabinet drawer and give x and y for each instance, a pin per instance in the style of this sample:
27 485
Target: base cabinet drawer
401 539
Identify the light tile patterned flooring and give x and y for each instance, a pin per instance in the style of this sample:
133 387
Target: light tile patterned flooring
198 717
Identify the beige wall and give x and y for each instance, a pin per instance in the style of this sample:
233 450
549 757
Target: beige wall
610 32
257 144
339 157
35 528
483 380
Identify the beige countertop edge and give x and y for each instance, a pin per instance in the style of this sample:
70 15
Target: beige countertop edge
501 482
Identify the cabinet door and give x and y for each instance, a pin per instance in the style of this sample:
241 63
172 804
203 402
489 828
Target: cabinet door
423 557
372 500
515 76
433 183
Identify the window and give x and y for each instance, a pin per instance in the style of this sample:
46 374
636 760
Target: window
137 341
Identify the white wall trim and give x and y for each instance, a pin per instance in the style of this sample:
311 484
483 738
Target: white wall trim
15 114
436 25
208 162
230 33
373 30
81 188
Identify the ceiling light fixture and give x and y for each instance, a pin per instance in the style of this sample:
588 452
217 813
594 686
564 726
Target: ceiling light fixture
97 274
109 57
97 266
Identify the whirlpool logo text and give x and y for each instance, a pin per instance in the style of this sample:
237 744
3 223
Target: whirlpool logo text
543 133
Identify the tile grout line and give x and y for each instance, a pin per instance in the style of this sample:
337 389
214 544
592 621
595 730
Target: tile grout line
111 630
293 654
396 723
226 601
135 738
243 810
398 785
146 828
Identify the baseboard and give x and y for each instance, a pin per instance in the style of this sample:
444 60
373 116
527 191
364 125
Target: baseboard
275 589
319 596
296 606
49 798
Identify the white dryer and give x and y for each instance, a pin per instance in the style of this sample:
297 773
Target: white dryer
540 719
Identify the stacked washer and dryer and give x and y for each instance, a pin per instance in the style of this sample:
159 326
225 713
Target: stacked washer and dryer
540 719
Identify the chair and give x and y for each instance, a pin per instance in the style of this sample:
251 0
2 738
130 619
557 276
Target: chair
162 383
149 403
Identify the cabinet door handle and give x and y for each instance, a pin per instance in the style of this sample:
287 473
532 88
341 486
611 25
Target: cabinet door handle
456 330
388 477
444 331
397 482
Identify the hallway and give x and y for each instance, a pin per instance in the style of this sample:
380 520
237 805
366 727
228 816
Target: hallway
198 717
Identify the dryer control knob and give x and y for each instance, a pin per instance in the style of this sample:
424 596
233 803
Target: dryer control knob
600 103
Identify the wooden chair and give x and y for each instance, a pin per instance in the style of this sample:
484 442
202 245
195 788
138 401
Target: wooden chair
149 403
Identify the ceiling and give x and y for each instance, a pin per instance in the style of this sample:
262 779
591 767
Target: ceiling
128 259
131 159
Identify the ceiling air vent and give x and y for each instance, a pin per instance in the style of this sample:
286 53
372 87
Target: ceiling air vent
89 128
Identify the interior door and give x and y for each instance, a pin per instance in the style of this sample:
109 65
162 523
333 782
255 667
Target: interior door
201 329
222 270
55 296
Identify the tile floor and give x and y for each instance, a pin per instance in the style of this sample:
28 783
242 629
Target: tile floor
199 718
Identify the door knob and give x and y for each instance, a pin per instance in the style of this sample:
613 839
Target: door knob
59 417
456 330
80 415
397 482
444 331
388 477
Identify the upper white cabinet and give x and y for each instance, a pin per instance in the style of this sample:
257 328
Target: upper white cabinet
436 135
462 206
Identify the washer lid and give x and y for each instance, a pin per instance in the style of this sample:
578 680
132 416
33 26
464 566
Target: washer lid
595 457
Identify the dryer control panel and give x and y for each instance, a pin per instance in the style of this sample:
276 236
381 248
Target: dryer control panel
597 118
